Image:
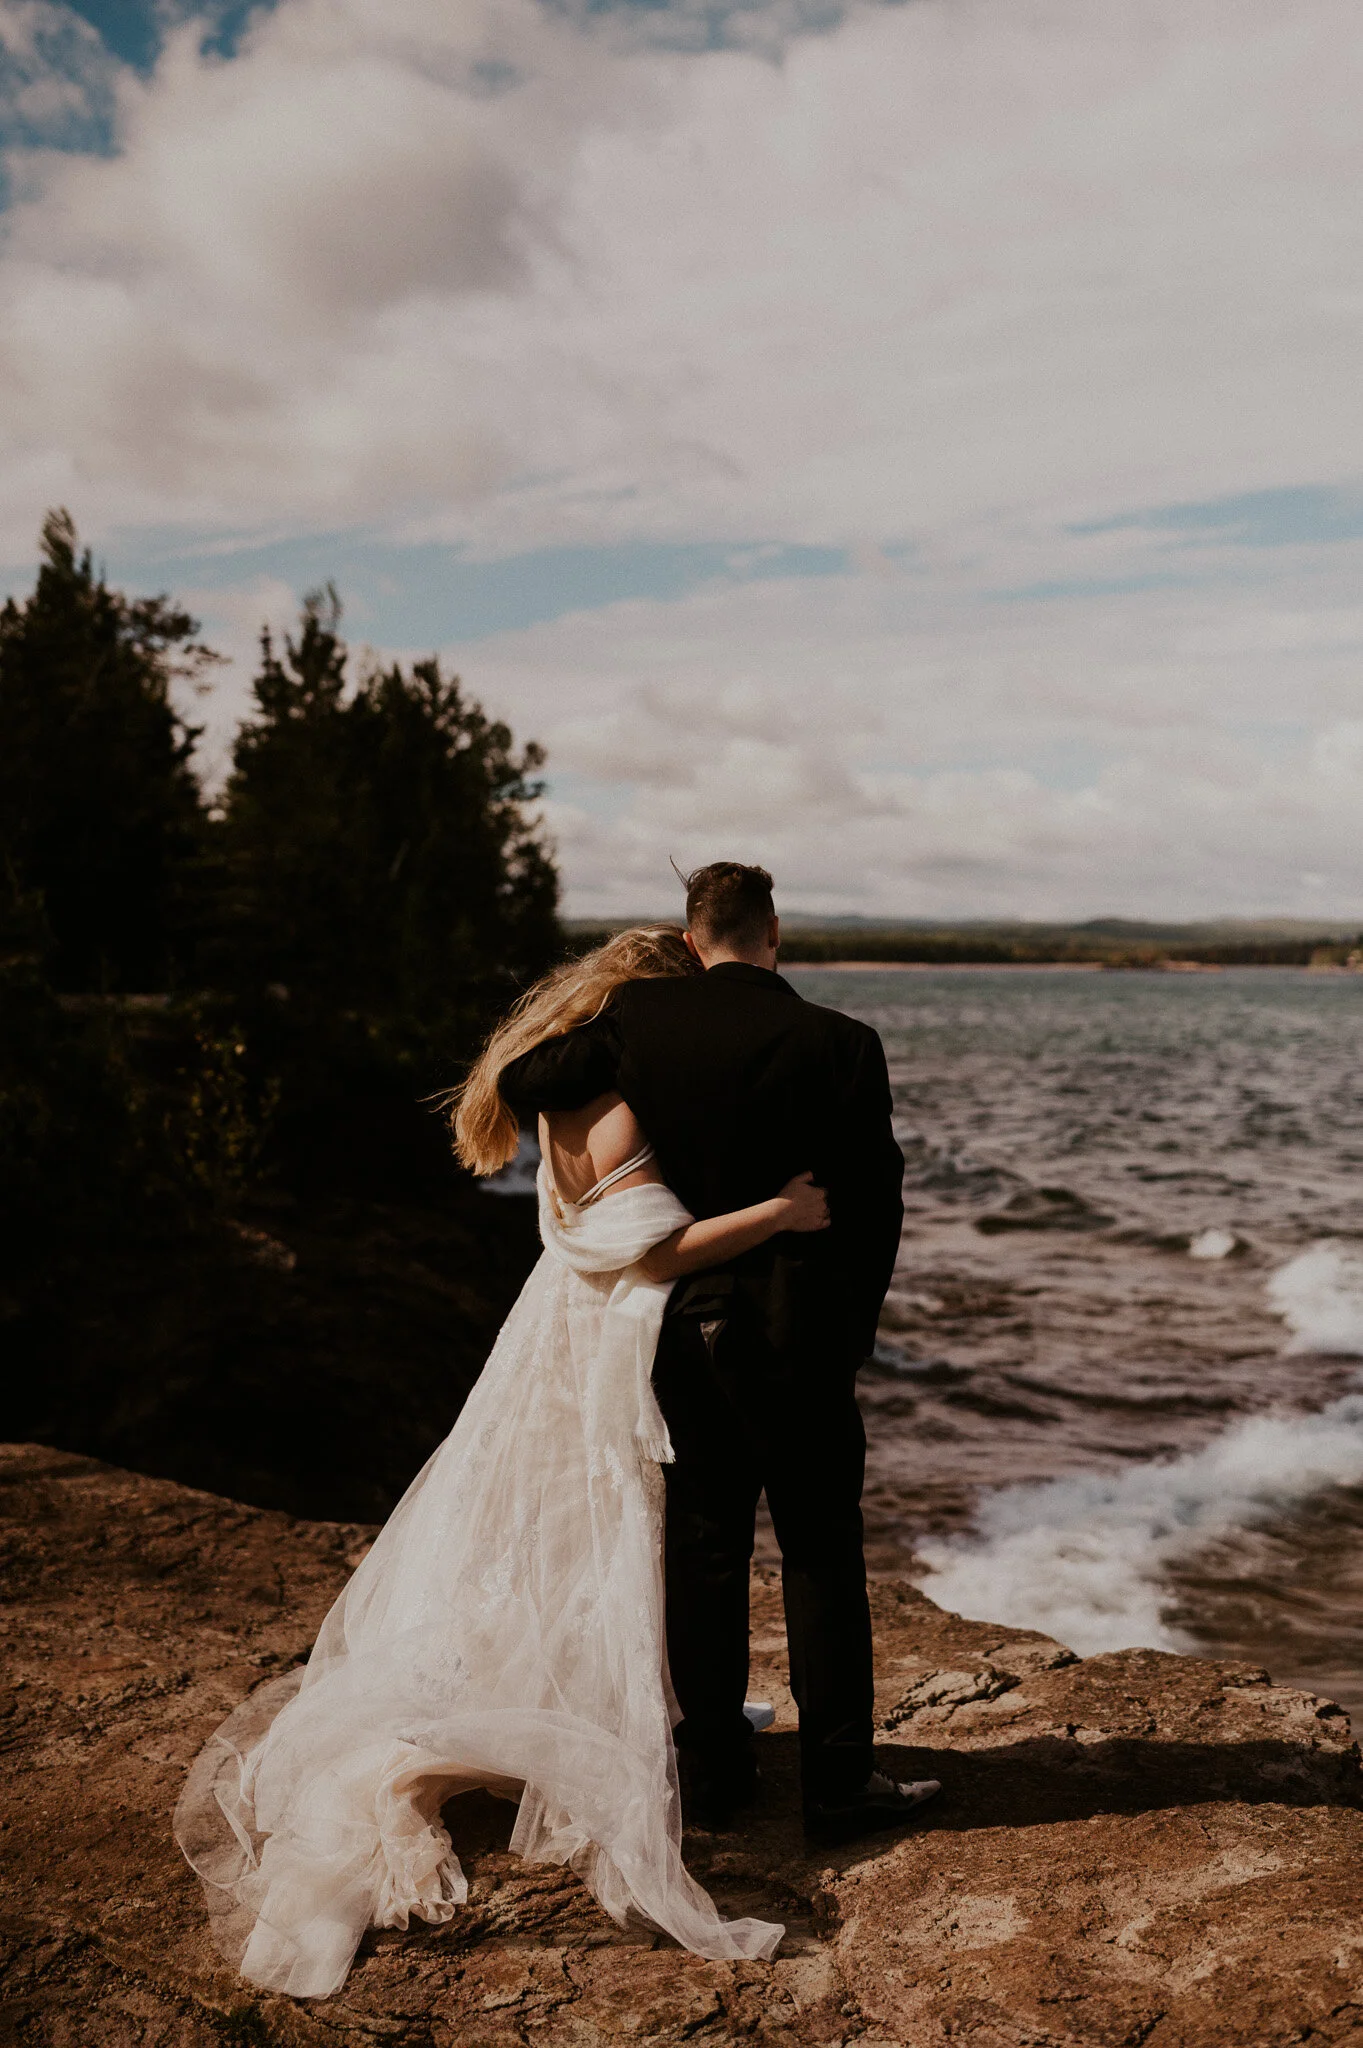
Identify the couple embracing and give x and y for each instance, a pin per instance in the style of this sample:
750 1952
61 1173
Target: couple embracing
557 1610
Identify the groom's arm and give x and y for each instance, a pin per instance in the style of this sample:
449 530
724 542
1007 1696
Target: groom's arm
565 1072
870 1206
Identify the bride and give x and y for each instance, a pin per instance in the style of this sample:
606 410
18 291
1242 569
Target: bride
506 1629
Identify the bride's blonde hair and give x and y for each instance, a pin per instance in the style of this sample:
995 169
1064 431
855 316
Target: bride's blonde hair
485 1127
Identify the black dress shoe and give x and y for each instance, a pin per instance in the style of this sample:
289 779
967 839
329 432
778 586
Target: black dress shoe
713 1795
881 1804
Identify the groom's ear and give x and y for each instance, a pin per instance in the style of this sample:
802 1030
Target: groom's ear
692 948
774 936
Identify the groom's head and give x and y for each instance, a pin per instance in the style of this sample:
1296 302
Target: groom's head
730 915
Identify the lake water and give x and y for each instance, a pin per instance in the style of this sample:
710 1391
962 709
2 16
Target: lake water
1119 1390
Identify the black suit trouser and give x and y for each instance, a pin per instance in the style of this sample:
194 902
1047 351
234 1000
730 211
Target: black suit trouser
743 1416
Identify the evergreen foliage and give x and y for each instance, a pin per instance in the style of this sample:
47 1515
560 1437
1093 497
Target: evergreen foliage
377 853
374 854
213 1017
99 808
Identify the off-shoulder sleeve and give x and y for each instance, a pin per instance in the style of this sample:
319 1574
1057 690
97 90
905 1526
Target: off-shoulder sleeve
566 1072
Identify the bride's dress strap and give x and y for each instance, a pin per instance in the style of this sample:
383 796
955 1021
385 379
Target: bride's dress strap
610 1180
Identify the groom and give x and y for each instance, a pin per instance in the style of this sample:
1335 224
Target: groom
740 1085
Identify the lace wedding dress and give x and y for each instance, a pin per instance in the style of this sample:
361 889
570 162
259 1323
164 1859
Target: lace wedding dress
506 1630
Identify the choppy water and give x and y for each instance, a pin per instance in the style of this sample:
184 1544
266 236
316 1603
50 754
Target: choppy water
1119 1395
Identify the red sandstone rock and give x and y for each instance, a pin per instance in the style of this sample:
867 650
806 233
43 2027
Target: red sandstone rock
1131 1849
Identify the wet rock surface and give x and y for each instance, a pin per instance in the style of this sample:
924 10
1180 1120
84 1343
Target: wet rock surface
1133 1848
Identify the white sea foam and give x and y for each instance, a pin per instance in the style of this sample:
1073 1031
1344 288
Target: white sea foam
1084 1559
1213 1244
1319 1295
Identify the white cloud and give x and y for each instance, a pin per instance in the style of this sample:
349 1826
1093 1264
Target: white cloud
231 623
275 304
970 261
887 750
959 276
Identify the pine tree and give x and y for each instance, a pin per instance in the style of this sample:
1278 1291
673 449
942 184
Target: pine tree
100 813
381 851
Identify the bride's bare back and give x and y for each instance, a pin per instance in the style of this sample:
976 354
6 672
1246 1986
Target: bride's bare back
583 1145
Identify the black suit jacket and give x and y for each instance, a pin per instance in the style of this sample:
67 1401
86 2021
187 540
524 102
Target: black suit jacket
741 1084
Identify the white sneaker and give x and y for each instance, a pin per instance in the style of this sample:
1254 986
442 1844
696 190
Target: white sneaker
881 1803
759 1714
914 1792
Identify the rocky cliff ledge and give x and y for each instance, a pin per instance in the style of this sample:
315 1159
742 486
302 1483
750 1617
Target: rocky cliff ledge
1131 1849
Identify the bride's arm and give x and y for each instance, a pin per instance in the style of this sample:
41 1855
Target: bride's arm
799 1206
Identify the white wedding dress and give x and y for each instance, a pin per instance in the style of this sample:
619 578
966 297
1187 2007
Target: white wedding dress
506 1630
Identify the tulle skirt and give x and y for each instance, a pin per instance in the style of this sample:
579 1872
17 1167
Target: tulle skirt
506 1631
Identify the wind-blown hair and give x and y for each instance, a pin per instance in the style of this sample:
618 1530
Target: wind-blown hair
485 1127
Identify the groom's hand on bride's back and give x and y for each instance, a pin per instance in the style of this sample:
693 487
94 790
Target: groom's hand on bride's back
806 1205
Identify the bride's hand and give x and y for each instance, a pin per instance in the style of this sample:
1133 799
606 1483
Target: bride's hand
806 1206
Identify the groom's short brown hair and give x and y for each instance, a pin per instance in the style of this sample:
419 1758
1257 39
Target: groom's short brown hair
728 904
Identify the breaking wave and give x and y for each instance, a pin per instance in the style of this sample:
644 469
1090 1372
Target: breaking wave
1319 1295
1084 1559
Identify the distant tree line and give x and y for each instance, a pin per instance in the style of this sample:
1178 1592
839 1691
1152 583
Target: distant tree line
1039 946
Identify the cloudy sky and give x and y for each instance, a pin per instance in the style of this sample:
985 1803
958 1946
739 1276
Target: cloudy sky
919 445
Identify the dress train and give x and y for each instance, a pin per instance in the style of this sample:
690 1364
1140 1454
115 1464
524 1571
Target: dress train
506 1630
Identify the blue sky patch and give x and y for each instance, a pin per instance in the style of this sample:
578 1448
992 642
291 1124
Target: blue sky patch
708 24
1087 586
133 30
130 31
430 596
1293 515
